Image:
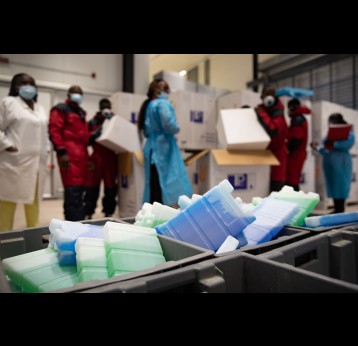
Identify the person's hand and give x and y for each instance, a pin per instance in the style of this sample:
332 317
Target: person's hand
64 161
91 166
12 149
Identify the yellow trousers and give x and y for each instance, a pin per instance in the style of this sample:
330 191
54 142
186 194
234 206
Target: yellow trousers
7 213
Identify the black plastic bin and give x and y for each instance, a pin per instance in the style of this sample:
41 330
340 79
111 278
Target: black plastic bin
177 254
235 273
284 237
317 230
333 254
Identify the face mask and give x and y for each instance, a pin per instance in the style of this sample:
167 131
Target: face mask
76 98
27 92
269 101
164 95
107 113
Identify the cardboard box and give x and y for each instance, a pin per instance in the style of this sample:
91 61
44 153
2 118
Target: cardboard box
247 171
197 168
119 135
131 183
237 99
240 129
195 114
127 105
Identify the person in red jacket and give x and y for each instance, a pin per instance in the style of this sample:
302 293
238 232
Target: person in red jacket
105 166
297 142
69 136
271 116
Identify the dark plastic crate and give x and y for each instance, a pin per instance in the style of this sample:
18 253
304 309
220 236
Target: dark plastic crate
130 220
177 254
284 237
316 230
333 254
235 273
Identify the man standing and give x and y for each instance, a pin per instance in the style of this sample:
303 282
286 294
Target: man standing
271 116
69 135
105 166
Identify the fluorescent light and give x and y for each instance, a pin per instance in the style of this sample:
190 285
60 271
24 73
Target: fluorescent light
182 73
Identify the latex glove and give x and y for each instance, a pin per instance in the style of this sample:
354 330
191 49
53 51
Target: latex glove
64 161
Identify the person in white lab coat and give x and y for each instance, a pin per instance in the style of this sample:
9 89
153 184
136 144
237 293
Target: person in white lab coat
23 157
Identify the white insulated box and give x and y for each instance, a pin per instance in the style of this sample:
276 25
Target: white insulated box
237 99
247 171
131 183
240 129
127 105
308 175
119 135
195 114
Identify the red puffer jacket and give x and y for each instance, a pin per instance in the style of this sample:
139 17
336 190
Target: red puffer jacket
273 121
297 144
69 135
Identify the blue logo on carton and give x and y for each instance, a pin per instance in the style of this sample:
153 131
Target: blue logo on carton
197 116
133 117
238 181
124 181
196 179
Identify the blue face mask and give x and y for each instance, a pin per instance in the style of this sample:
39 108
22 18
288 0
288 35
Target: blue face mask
27 92
164 95
78 98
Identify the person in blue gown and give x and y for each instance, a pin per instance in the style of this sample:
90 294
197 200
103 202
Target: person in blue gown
337 165
165 174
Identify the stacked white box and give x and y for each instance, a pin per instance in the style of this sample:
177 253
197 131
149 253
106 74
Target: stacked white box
131 184
237 99
240 129
127 105
308 175
321 112
197 120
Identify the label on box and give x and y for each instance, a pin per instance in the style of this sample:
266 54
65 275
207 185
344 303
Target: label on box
303 178
133 117
197 117
242 181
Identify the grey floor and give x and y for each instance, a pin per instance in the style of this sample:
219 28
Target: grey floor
51 209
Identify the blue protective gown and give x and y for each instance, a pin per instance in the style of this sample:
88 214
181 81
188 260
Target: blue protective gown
161 149
337 167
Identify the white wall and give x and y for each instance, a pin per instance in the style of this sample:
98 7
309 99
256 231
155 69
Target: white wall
69 69
230 71
141 73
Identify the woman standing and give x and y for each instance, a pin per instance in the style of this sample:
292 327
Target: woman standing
165 175
23 139
337 165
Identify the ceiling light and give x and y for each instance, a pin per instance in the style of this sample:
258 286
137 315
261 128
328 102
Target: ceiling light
182 73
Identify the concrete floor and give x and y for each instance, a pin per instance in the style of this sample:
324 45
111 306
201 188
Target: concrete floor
52 209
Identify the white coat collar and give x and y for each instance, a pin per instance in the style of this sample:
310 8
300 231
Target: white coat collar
25 105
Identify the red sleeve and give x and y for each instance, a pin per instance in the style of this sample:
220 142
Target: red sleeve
55 128
264 118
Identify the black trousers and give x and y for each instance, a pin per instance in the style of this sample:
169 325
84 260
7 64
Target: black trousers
276 185
155 189
73 203
339 204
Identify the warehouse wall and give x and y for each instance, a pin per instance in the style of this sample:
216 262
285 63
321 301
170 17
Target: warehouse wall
141 73
69 69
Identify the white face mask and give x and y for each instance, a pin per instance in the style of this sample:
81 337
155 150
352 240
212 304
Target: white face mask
269 101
